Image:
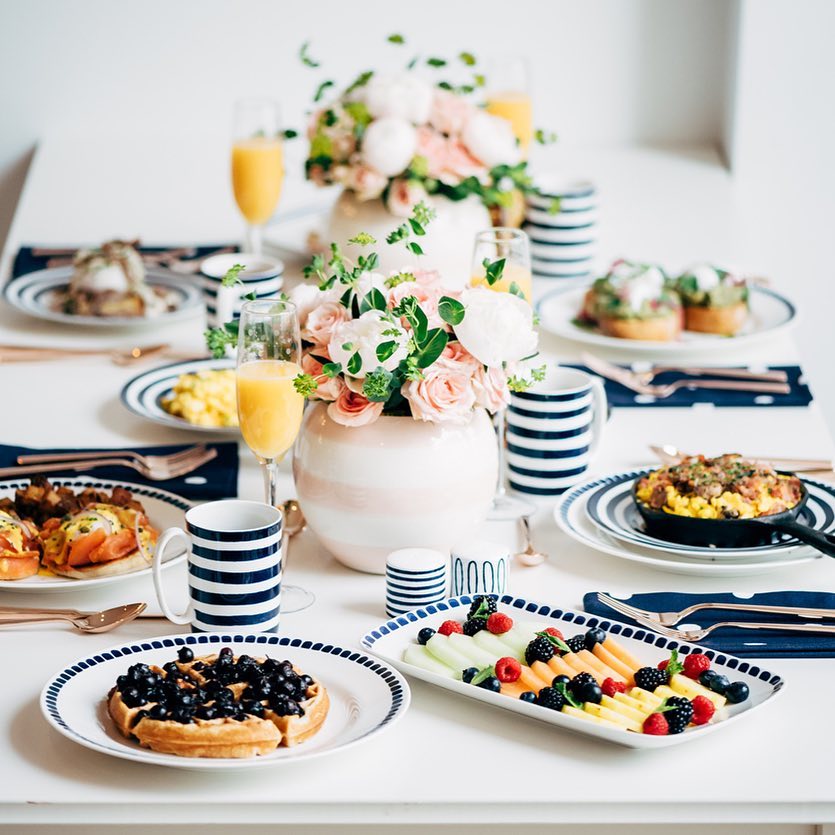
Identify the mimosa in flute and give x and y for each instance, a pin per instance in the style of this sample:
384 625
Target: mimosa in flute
257 164
509 96
510 246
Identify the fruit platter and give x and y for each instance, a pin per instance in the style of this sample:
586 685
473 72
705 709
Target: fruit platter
586 675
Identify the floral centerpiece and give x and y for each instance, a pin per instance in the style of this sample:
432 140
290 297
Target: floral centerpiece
394 140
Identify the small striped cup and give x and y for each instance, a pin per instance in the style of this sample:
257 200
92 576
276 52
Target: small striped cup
261 275
552 431
415 577
234 567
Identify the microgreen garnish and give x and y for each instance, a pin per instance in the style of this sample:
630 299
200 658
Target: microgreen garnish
219 339
545 137
563 690
362 239
232 277
674 666
396 39
305 56
483 675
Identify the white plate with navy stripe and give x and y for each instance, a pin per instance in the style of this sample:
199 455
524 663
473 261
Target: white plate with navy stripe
572 518
366 696
389 641
143 393
770 314
36 295
611 508
164 510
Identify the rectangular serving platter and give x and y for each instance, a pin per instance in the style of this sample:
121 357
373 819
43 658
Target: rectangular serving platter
390 639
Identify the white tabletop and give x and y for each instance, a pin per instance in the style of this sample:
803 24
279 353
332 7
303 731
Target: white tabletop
432 766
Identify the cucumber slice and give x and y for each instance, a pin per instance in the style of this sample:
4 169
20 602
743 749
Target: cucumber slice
441 648
420 657
478 656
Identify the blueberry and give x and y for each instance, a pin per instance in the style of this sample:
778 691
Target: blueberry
589 691
594 636
737 692
706 677
157 712
491 683
528 696
224 696
719 684
138 670
226 652
425 634
306 681
253 708
207 712
261 688
271 665
132 697
183 715
172 670
198 666
469 674
185 699
185 654
560 680
122 682
148 681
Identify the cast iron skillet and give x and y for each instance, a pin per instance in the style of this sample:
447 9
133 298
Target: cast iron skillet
733 533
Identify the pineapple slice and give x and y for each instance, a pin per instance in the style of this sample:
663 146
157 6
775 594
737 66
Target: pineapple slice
618 706
646 697
635 704
613 716
589 717
665 692
685 686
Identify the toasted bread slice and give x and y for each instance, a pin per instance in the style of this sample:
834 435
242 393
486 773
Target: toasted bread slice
726 321
654 329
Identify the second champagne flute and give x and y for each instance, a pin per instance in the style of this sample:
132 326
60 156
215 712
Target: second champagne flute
269 407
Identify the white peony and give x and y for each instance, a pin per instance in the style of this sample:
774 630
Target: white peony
389 145
362 336
405 96
497 327
490 139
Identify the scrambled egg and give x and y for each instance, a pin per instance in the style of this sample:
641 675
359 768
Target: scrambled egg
205 398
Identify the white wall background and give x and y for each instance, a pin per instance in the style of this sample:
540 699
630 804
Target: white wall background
752 77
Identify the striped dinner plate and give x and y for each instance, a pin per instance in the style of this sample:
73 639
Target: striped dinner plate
143 394
37 294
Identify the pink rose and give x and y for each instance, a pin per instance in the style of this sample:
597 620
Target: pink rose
329 387
442 396
322 321
432 146
365 181
491 391
426 295
456 357
428 278
403 195
460 163
449 113
352 409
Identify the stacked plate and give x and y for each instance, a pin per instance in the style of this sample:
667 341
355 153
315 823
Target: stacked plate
415 577
601 514
562 225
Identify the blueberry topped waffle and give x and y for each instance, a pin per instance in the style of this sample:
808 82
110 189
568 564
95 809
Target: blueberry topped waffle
217 705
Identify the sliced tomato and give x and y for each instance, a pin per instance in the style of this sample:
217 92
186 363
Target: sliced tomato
81 550
114 547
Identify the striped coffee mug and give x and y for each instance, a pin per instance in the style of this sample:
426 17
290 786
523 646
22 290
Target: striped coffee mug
234 567
552 431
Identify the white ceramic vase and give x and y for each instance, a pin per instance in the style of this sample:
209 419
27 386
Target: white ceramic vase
447 245
396 483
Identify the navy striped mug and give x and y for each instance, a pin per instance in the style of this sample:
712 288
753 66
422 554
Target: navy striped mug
552 431
234 567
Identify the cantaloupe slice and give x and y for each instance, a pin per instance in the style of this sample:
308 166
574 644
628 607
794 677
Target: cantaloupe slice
531 681
624 709
595 663
543 672
622 653
560 668
514 689
626 672
576 665
613 716
685 686
588 717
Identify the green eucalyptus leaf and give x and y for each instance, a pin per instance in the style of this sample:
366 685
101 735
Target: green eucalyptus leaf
432 347
354 363
451 310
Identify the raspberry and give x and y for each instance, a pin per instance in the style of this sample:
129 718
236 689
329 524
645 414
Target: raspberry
508 669
555 632
449 626
662 665
610 687
499 623
695 665
703 710
656 724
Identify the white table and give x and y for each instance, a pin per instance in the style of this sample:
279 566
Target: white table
774 769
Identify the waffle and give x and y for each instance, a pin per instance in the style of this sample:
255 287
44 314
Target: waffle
217 705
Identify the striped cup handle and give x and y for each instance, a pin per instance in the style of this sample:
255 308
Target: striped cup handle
601 412
167 537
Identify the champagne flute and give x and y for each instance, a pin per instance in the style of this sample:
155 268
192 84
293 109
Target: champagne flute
269 407
257 164
505 253
509 96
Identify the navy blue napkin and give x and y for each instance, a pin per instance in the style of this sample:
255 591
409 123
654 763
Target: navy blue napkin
619 396
26 261
216 479
744 642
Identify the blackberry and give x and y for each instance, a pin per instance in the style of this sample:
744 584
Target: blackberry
539 649
474 625
489 606
550 698
581 680
680 718
576 643
648 678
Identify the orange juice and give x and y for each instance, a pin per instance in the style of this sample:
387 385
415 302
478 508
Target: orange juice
512 273
269 407
257 175
517 109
